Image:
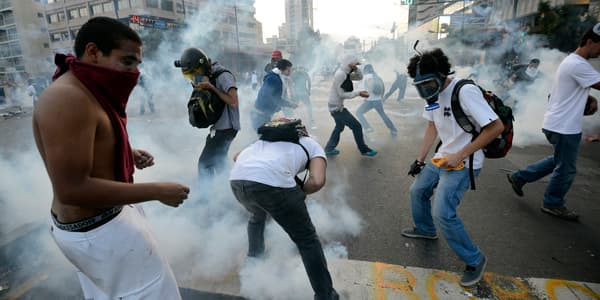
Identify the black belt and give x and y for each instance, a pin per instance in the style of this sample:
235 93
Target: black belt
89 223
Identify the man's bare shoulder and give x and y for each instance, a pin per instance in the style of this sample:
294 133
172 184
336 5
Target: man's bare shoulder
65 95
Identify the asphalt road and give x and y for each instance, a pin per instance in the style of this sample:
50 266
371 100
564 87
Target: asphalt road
517 238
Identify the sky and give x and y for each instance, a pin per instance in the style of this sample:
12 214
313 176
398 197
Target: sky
340 18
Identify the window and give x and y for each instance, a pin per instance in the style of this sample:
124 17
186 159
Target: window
53 18
55 37
83 11
179 8
61 16
15 49
152 3
167 5
12 34
64 35
124 4
136 3
96 9
73 14
108 6
40 15
46 45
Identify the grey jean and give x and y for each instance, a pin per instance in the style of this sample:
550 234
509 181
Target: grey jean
286 206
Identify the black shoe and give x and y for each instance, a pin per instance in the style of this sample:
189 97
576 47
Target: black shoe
517 187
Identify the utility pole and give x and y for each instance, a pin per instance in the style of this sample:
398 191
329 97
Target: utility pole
116 5
237 36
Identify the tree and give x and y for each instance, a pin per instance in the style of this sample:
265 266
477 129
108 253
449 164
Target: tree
563 26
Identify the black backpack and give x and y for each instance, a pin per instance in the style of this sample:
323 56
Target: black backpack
378 85
500 146
205 107
347 85
277 131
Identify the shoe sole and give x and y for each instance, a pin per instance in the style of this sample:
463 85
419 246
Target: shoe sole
548 211
416 236
475 281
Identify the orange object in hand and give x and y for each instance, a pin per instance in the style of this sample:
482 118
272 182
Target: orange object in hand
439 161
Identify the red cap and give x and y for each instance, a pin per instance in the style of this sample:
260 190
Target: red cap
276 54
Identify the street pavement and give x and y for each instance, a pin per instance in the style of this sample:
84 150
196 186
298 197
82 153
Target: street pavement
531 255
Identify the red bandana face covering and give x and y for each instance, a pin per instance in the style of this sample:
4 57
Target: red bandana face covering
111 88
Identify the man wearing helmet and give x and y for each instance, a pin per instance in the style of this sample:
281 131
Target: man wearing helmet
198 68
450 173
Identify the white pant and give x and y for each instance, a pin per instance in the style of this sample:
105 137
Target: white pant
119 260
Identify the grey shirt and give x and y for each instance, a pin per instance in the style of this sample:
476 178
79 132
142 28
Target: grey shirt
231 115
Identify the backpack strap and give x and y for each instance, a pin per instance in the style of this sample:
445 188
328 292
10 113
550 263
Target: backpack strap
296 178
464 122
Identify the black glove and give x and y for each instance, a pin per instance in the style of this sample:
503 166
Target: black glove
415 168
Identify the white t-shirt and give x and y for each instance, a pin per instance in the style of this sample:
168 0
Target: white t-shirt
453 137
369 80
569 95
274 163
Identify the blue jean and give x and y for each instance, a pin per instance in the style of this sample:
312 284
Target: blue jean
287 207
451 186
342 119
378 106
213 159
562 166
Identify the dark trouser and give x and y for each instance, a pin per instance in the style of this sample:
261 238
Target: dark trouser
345 118
214 155
287 207
378 106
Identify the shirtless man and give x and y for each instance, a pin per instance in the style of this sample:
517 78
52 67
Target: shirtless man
79 129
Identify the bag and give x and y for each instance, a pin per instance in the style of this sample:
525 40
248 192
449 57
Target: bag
280 131
205 107
378 85
347 85
500 146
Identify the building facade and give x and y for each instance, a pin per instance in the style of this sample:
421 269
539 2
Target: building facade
24 47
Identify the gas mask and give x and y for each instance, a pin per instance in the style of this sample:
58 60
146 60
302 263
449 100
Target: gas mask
531 72
429 87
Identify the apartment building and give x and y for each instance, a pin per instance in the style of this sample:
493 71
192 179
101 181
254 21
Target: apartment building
24 48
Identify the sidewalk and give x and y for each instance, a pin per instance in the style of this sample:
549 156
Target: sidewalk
375 280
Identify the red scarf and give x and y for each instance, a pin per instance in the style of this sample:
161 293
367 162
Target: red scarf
111 88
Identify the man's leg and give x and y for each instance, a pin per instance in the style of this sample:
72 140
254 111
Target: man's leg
246 192
451 189
379 108
360 114
420 200
223 140
566 148
353 123
288 209
111 256
334 139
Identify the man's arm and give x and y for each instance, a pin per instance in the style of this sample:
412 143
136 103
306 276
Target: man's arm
428 139
488 134
316 177
67 138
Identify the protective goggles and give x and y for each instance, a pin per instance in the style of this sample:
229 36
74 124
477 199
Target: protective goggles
428 85
193 73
